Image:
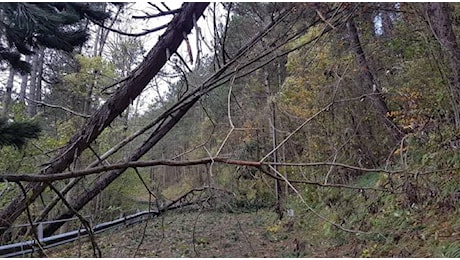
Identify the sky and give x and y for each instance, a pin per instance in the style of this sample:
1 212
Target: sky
139 8
138 25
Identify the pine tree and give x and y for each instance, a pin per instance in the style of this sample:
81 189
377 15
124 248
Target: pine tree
24 26
17 133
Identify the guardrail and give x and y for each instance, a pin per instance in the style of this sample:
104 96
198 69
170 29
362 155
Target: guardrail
30 246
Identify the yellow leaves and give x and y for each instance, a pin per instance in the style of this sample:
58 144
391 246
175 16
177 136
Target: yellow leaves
411 115
274 229
399 150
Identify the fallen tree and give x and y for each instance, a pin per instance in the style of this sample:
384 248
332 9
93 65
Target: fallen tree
181 25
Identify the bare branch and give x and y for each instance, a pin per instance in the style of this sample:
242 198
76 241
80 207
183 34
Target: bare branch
165 6
328 185
145 32
58 107
116 83
296 130
311 209
125 165
162 13
82 220
29 218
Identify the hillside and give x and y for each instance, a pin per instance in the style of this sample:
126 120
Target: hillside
281 129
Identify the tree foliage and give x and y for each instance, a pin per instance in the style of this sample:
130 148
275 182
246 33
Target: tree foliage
17 133
25 26
354 104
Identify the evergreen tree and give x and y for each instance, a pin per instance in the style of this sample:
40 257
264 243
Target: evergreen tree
17 133
24 26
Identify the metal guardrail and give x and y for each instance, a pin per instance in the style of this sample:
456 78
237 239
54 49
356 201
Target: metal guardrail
30 246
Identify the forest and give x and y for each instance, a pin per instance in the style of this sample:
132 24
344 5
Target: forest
266 129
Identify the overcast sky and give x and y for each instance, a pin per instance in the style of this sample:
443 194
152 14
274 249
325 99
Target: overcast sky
138 25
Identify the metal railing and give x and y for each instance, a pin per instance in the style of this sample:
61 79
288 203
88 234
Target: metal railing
30 246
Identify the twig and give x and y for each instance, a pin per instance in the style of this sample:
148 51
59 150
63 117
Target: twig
116 83
245 236
59 107
312 210
328 185
146 222
82 220
145 32
193 231
31 223
296 130
145 185
165 6
162 13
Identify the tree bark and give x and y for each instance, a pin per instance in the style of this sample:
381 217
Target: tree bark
32 106
181 24
24 79
440 20
370 84
38 87
7 96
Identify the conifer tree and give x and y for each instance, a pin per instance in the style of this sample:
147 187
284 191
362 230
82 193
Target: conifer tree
17 133
24 26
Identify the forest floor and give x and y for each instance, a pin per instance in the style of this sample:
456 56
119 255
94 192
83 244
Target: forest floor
210 233
195 234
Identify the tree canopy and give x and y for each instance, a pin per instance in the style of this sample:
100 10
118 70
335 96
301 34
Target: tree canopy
25 26
17 133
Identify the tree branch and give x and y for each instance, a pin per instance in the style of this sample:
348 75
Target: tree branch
162 13
132 164
58 107
145 32
85 222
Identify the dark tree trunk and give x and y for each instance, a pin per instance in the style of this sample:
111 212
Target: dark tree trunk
370 85
440 20
181 24
7 96
387 20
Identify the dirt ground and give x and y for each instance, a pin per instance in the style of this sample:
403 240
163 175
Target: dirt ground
197 234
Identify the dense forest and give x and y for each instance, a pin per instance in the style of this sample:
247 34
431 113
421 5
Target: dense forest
333 127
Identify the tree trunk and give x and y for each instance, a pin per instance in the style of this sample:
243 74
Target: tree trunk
181 24
35 87
38 89
440 20
24 79
102 182
387 20
7 96
272 126
32 106
376 97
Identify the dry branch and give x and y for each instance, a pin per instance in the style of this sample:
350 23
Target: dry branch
132 164
58 107
141 76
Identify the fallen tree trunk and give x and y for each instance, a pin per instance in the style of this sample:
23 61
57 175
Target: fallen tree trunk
166 122
181 24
